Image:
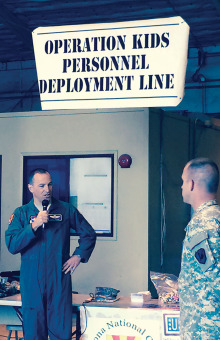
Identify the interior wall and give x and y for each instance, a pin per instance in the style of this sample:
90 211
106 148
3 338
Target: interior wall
206 143
121 263
169 150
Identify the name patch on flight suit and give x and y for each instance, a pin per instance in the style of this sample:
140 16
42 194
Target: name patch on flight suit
55 217
52 218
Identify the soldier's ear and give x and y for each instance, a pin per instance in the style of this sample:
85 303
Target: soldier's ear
192 185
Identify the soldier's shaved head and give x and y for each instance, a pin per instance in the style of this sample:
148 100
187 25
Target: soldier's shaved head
205 172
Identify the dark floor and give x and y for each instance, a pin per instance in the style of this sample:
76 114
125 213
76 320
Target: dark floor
4 333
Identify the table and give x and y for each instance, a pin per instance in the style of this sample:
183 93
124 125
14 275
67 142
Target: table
124 320
120 320
10 310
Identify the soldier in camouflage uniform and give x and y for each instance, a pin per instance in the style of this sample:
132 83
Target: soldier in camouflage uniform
199 279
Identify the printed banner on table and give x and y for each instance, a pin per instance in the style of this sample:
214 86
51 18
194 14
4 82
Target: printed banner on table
112 65
101 323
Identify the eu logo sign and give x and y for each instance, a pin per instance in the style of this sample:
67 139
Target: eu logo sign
171 324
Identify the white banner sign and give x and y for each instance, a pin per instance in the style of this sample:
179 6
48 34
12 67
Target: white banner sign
109 323
112 65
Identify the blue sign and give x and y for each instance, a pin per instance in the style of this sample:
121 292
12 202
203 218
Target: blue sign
171 324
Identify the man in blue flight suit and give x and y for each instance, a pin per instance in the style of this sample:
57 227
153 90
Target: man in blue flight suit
42 237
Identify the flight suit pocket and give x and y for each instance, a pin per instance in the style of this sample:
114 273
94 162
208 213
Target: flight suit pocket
201 251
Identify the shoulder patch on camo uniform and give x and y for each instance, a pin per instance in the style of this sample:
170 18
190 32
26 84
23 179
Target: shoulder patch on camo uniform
201 256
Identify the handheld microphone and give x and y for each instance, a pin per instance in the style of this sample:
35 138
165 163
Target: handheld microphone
45 204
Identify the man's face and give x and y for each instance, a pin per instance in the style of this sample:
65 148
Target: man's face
186 186
41 187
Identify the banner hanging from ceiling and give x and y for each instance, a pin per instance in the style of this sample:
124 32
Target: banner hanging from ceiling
112 65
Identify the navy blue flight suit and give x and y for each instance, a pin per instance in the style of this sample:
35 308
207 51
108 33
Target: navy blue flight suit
46 291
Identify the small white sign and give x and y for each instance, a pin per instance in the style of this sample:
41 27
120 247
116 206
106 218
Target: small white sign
126 64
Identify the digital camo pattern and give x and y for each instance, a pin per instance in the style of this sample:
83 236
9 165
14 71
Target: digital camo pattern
199 279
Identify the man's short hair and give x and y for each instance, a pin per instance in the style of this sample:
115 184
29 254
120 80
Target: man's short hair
36 171
206 172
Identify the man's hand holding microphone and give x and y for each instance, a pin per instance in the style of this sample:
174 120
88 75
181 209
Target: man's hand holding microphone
42 217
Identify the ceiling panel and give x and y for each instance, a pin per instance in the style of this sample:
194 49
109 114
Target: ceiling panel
19 18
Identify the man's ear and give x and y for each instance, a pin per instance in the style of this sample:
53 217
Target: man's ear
192 185
30 187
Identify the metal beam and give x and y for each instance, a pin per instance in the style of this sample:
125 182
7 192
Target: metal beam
16 26
217 5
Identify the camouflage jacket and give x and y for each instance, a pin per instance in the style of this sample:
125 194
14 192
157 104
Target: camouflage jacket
199 279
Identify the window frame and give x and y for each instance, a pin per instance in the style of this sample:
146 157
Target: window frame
66 158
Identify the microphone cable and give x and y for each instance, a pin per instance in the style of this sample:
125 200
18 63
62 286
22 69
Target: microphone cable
86 324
